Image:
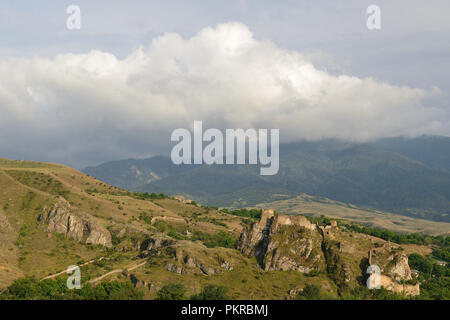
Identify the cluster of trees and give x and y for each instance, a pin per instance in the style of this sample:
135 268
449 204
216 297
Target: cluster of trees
174 291
434 278
435 289
401 238
443 252
427 268
363 293
321 221
311 292
248 213
150 196
33 289
219 239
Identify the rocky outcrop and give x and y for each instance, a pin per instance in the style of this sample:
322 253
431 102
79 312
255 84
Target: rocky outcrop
394 266
254 241
391 262
68 220
186 257
407 289
282 242
187 262
139 284
152 245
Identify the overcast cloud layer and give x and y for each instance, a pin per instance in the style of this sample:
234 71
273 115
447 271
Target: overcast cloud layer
82 109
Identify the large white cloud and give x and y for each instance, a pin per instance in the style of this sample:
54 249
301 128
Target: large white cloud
87 108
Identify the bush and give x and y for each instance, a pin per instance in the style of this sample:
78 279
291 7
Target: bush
219 239
418 262
212 292
310 292
33 289
171 291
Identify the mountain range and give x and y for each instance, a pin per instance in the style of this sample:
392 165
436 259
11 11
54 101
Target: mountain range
404 176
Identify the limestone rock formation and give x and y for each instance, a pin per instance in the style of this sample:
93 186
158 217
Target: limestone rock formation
391 261
282 242
187 257
152 245
393 264
139 284
68 220
389 284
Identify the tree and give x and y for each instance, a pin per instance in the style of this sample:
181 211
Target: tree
171 291
310 292
418 262
212 292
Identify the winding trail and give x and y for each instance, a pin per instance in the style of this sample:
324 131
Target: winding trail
127 269
131 268
65 271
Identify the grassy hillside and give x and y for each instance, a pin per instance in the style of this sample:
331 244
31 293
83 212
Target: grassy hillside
196 245
28 249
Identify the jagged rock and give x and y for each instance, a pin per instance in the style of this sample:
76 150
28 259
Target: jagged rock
152 244
175 268
139 284
282 242
65 219
400 269
391 262
394 267
194 263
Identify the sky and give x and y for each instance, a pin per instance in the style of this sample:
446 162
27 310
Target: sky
136 70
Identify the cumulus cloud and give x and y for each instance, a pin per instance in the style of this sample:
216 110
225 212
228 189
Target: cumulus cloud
81 109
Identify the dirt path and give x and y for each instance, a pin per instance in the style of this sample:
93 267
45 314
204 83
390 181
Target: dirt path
130 268
65 272
127 269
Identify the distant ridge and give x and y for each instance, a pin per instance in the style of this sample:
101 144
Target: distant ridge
404 176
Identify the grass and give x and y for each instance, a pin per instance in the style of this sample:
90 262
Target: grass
203 233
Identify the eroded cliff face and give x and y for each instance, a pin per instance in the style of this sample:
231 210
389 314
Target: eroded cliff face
282 242
394 266
68 220
392 262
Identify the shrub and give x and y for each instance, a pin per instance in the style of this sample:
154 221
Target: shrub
212 292
171 291
310 292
